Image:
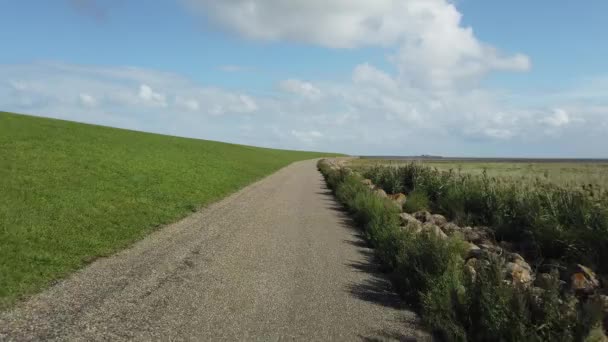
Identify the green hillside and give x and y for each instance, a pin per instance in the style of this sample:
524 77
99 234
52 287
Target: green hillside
71 192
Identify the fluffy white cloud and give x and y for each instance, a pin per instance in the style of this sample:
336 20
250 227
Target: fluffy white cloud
87 100
373 114
304 89
558 118
150 97
433 48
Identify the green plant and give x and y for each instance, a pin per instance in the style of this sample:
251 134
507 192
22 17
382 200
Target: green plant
72 192
416 201
476 305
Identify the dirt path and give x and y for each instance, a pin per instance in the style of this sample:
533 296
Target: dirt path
275 261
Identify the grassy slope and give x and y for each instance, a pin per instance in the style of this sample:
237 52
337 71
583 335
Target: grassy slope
71 192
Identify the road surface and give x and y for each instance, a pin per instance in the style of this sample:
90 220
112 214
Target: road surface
278 260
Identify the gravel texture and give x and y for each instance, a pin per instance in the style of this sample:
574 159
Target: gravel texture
278 260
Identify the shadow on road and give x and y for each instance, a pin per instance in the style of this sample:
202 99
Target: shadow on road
377 288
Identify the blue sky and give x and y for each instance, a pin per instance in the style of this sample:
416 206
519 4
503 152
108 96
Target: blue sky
470 77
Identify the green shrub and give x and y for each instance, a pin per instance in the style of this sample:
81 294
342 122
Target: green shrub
416 201
550 221
429 271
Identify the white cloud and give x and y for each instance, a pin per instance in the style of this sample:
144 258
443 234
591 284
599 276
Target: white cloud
373 114
558 118
433 48
150 97
307 137
304 89
87 100
188 104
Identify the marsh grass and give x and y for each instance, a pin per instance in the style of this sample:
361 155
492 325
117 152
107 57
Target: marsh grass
546 221
429 271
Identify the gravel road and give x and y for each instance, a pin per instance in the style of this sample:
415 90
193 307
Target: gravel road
278 260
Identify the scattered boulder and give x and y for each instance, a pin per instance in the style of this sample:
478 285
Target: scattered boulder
507 246
515 257
518 274
423 216
399 199
407 219
469 268
491 248
434 229
583 279
477 234
473 251
439 220
380 193
412 227
451 228
368 183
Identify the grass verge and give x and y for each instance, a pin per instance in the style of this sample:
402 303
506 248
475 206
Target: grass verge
545 221
455 302
72 192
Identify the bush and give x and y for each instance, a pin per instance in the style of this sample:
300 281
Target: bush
430 273
546 220
416 201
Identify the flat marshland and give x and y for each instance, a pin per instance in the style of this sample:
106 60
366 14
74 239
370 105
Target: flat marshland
571 173
72 192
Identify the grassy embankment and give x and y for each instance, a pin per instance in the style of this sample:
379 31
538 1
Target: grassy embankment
72 192
430 272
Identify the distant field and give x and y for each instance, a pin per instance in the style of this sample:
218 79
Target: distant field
567 173
72 192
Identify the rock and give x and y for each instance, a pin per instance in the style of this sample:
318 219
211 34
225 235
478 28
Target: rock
515 256
490 248
583 279
380 193
434 229
518 274
423 216
485 233
469 268
473 251
477 235
412 227
439 220
470 235
451 228
398 199
407 218
507 246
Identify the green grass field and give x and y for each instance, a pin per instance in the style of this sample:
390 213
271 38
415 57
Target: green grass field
72 192
561 173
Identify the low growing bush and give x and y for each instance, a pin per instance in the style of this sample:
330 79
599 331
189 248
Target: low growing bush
457 303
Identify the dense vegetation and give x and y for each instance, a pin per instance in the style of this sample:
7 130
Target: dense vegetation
430 271
568 174
71 192
544 220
